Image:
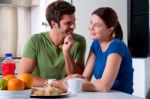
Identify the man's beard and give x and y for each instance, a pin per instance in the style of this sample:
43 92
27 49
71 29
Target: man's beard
66 33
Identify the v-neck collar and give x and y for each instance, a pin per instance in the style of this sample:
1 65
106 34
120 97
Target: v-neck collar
50 40
108 46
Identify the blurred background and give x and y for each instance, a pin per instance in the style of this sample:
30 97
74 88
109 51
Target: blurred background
19 19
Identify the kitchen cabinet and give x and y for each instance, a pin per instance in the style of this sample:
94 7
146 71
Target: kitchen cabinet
8 29
141 80
35 2
24 28
14 25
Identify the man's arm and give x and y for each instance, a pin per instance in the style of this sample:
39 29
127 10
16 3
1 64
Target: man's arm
73 66
27 65
76 65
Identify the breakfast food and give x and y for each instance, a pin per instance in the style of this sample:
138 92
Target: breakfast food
45 91
38 92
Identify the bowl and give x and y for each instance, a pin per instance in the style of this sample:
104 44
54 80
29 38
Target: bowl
15 94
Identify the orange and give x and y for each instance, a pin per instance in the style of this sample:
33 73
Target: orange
8 77
15 84
27 79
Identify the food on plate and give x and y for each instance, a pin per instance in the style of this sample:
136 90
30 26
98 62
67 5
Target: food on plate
44 91
38 92
55 91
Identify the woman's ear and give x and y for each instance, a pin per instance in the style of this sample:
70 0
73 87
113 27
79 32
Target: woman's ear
111 29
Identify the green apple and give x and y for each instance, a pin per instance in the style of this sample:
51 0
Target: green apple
3 84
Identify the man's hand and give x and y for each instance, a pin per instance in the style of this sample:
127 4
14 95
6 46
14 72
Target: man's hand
68 42
74 76
59 83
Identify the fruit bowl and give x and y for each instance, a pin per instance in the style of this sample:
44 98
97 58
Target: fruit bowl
15 94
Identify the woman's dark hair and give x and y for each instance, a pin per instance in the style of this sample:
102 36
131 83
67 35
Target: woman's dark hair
110 18
57 9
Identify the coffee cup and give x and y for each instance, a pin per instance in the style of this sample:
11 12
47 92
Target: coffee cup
73 85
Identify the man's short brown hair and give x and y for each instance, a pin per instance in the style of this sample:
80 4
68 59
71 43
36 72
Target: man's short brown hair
57 9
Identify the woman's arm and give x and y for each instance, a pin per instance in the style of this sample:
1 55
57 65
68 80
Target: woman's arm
88 71
110 73
87 74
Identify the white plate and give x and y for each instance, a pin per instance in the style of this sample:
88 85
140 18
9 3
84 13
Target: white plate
50 96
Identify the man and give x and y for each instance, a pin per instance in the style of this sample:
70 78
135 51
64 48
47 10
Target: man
58 53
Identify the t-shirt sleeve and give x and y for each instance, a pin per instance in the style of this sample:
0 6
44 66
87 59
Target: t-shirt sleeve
119 48
30 48
94 46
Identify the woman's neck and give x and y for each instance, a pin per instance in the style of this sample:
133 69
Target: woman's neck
105 44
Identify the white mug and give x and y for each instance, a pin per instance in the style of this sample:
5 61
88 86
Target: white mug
73 85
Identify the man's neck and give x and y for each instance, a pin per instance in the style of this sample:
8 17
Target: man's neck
57 40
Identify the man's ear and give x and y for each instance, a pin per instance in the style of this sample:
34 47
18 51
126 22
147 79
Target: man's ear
53 24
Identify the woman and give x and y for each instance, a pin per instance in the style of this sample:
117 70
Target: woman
109 59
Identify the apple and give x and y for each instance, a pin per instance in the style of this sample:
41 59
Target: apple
3 84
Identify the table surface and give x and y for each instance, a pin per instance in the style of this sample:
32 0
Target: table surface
97 95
